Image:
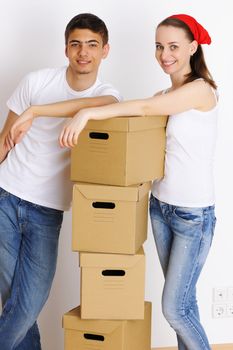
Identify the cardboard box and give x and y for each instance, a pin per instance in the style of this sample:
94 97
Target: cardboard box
109 219
120 151
112 285
105 335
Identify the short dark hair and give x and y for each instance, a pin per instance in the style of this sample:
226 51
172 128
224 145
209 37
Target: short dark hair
87 21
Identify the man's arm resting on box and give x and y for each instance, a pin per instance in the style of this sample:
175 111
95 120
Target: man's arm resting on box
64 109
68 108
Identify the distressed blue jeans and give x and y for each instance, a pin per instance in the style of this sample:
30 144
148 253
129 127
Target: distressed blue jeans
183 238
29 236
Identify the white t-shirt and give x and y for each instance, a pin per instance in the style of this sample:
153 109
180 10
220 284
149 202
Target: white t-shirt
38 169
189 160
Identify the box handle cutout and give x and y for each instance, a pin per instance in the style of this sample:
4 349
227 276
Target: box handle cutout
113 272
93 336
99 135
103 205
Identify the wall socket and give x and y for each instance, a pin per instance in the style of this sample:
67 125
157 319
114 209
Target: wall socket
219 310
219 294
230 309
230 293
222 302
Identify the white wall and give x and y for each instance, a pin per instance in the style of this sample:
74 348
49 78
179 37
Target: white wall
31 37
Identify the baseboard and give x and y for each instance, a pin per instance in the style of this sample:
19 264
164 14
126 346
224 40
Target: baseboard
214 347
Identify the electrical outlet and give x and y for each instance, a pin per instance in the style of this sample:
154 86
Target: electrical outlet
222 302
230 293
219 310
220 294
230 309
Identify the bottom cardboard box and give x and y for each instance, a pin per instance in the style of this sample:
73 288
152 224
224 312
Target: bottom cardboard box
86 334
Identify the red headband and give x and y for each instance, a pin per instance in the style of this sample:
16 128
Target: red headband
200 34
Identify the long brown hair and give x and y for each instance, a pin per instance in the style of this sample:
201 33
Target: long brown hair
197 61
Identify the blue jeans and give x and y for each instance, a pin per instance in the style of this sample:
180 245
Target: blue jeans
183 238
29 236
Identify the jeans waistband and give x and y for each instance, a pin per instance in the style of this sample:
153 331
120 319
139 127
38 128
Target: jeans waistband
173 207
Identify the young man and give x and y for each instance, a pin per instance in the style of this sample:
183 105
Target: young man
34 179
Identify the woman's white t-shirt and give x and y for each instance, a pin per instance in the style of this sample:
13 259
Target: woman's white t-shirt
189 160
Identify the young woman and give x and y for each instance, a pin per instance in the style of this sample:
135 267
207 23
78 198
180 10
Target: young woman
182 203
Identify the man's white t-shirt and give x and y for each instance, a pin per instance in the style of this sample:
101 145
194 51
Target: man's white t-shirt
38 169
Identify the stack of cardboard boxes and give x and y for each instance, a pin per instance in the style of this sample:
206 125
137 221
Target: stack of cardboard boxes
113 165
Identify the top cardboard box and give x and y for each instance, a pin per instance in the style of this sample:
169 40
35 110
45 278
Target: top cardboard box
120 151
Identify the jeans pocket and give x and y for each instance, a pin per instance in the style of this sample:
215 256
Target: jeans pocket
153 205
45 216
3 193
191 216
214 220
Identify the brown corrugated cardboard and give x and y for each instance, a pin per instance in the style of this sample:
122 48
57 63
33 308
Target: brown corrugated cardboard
109 219
120 151
105 335
112 285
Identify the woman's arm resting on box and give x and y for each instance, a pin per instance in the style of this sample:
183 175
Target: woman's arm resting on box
194 95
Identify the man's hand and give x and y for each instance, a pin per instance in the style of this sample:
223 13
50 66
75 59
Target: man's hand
21 125
70 133
6 142
5 146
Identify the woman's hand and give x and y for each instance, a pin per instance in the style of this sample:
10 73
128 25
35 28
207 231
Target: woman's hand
22 125
70 133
